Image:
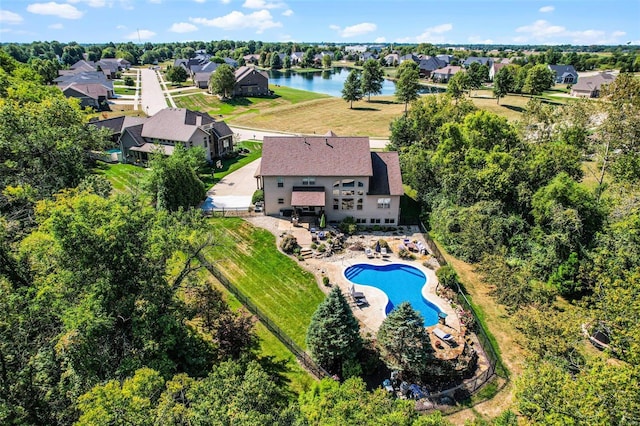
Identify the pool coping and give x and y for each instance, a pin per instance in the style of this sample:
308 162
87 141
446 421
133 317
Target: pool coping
378 299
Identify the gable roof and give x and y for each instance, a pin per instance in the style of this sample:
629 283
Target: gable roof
594 82
481 60
387 178
431 63
175 124
448 70
118 124
244 72
562 70
315 156
92 90
221 129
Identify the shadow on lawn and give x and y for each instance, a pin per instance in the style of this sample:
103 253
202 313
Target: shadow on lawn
365 109
514 108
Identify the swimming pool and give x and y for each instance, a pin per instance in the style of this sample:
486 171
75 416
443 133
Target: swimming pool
401 283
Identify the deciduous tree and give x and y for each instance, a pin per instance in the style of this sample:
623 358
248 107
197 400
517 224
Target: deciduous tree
408 83
222 81
352 90
372 78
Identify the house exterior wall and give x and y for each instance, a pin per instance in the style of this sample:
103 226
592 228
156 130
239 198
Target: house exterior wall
368 214
252 84
221 146
202 139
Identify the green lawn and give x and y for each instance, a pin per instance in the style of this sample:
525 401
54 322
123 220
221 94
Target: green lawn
125 178
120 90
283 291
270 347
230 165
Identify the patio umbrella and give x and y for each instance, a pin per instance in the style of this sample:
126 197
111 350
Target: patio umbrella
377 246
323 221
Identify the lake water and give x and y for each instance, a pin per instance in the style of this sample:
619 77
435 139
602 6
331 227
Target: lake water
330 82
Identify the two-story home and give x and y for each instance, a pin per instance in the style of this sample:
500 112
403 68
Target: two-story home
170 127
251 82
564 74
338 176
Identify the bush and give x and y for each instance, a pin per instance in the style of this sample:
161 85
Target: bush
322 248
325 281
406 254
448 277
128 81
258 195
289 244
348 225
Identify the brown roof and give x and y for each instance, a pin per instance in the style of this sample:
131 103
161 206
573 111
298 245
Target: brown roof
387 178
94 91
315 156
175 124
153 147
307 198
593 82
448 70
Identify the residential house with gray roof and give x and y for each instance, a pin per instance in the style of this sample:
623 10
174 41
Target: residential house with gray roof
428 65
589 87
480 60
443 75
338 176
564 74
170 127
251 82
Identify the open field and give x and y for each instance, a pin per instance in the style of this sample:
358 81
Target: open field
230 109
274 282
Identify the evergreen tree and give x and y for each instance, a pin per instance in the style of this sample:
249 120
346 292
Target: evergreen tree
333 336
408 83
352 90
372 78
403 341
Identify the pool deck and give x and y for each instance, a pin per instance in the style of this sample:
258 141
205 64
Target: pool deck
370 316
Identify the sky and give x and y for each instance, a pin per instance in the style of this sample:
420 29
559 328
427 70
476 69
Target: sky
581 22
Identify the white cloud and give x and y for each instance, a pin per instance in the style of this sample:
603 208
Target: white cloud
430 35
542 31
56 26
355 30
155 1
65 11
200 1
546 9
262 4
8 17
91 3
140 35
287 12
260 20
225 1
121 27
183 27
380 40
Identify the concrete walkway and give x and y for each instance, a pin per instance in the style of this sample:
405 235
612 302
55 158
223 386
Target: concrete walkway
235 190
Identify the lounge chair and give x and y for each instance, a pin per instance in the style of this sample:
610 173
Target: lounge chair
356 294
446 337
383 252
368 252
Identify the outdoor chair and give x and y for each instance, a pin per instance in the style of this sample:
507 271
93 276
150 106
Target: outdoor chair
445 337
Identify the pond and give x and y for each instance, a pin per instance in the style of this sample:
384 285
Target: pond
329 82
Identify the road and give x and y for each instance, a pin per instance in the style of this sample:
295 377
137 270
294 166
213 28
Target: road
152 99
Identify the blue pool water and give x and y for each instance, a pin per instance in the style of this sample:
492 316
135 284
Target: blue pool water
401 283
113 150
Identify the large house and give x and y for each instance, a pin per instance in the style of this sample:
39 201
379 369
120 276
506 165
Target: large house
338 176
92 88
589 87
443 75
251 82
428 65
168 128
564 74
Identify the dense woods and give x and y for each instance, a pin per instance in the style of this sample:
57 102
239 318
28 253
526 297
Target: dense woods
547 211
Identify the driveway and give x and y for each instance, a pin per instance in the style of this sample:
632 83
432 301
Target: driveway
152 99
235 190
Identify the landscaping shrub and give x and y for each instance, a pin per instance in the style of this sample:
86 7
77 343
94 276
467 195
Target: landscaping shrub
405 254
448 277
348 225
289 244
258 195
325 281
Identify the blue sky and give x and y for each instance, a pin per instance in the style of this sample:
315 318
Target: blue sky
346 21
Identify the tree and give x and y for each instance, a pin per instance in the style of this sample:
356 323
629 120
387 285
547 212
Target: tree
222 81
478 74
458 85
408 84
276 62
539 78
333 336
403 341
352 90
372 78
287 62
173 182
503 83
177 74
326 61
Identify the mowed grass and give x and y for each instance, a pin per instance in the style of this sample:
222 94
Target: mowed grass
300 380
283 291
121 90
232 108
125 178
230 165
320 115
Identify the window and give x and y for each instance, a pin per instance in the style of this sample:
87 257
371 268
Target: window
359 204
361 220
280 182
347 204
226 143
205 141
346 193
348 183
384 203
336 204
336 192
280 200
308 180
389 221
360 184
374 220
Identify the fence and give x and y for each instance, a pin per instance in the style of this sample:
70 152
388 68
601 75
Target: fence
229 212
299 353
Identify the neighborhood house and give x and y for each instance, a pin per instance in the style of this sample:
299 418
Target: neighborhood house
337 176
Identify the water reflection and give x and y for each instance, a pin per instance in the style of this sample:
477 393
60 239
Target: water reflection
329 82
